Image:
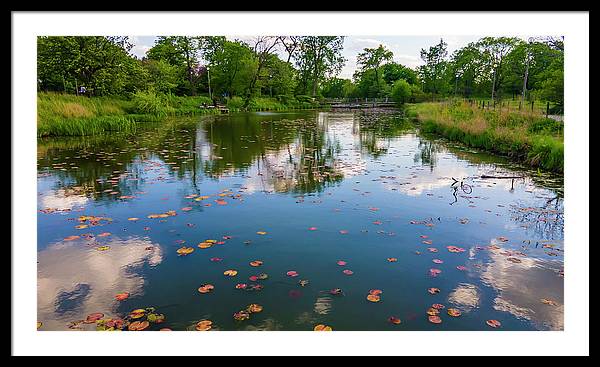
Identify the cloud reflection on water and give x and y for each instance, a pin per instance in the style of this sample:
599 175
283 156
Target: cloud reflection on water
74 279
521 286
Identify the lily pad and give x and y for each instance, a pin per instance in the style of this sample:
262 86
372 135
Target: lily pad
138 325
254 308
204 325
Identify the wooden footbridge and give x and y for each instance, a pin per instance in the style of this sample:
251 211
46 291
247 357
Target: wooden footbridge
362 103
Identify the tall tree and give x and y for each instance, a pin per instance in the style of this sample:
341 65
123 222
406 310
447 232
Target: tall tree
467 67
371 59
393 71
231 64
181 51
435 65
101 64
494 50
320 57
263 47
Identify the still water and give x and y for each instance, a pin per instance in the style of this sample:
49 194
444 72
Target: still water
329 207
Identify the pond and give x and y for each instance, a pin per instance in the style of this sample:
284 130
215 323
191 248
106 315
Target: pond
351 219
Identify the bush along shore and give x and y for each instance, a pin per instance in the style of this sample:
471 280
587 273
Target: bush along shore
525 136
71 115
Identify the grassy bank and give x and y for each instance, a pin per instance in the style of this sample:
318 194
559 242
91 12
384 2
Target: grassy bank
525 136
70 115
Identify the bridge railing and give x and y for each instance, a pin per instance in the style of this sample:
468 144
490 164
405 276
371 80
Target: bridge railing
357 100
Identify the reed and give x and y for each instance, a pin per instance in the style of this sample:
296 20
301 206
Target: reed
69 115
525 136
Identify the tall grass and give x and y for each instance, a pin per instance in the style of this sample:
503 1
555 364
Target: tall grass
87 126
69 115
152 103
526 136
50 105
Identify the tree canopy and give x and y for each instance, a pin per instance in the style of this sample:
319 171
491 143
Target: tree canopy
309 66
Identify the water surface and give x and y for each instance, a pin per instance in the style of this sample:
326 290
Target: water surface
299 192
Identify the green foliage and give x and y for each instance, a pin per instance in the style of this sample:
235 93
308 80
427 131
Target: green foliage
370 84
499 64
552 85
370 61
101 64
60 114
393 71
377 74
87 126
252 70
232 66
435 68
336 88
318 58
305 99
525 136
278 77
181 52
152 103
235 104
401 91
266 104
547 153
546 126
162 76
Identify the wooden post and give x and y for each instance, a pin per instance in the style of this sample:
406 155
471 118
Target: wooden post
547 108
526 75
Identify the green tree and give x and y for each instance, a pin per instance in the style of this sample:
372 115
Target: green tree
263 47
182 52
371 59
162 76
494 50
467 67
336 88
98 63
433 71
370 84
318 58
393 71
279 77
401 91
232 65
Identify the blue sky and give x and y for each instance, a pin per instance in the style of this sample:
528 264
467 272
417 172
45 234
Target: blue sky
406 49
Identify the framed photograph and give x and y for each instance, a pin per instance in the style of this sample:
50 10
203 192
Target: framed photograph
413 191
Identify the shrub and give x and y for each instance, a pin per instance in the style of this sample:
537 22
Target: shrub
523 135
151 103
401 91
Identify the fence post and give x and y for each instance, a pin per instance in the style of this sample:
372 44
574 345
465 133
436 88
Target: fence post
532 105
547 108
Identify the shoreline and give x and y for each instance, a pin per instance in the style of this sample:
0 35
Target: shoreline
527 138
